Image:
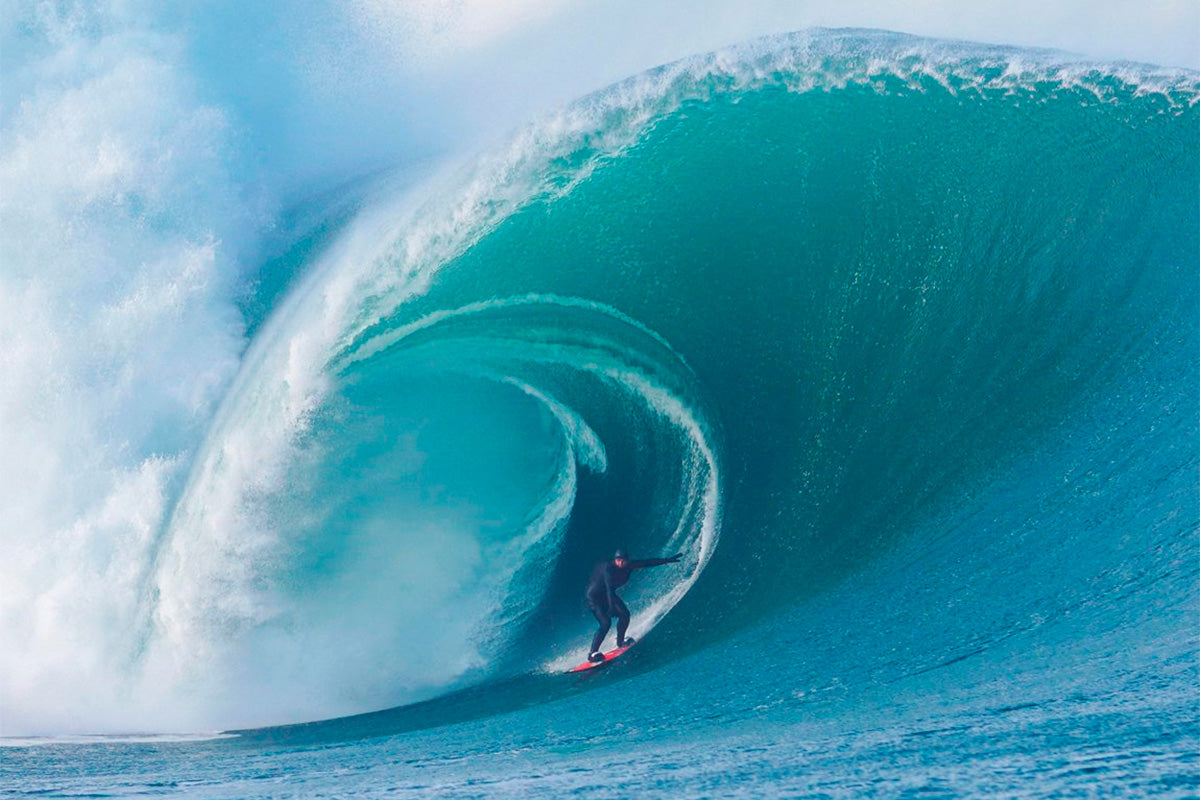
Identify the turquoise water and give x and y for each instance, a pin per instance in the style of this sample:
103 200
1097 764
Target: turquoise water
894 339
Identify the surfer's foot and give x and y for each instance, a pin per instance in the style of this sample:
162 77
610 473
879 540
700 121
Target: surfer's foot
627 642
595 657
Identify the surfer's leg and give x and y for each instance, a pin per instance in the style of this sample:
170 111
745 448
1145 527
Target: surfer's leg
598 639
605 621
622 622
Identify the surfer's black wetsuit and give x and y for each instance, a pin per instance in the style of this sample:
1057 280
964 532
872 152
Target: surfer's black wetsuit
602 597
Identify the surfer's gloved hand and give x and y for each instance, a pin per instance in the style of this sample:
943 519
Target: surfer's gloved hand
675 557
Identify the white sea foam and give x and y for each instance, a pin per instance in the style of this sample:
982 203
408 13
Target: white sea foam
120 243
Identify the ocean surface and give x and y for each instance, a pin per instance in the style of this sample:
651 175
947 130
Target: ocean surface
895 339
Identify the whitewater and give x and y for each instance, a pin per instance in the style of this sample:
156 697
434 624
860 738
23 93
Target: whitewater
339 344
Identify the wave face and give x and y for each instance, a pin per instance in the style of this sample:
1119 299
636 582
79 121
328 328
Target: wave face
894 339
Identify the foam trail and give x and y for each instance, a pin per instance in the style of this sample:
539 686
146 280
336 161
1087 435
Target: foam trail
702 488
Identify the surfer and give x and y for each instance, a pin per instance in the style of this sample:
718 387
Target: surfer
602 599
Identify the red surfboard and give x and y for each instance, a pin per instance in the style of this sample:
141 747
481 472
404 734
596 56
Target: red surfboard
609 656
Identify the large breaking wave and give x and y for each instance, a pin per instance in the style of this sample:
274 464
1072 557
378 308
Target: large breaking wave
819 306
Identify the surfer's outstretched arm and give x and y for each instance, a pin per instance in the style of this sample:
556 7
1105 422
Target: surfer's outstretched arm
654 562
